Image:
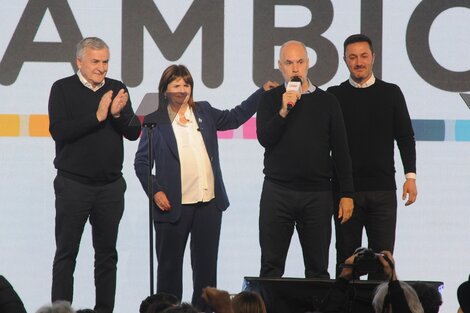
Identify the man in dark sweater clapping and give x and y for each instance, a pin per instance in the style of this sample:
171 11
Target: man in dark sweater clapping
304 137
89 115
375 115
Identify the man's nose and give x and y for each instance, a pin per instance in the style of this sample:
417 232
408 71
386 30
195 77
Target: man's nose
102 67
295 68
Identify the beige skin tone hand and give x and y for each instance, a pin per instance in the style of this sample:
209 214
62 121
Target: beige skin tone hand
409 188
347 272
270 85
116 105
103 107
288 97
119 103
162 201
388 270
346 207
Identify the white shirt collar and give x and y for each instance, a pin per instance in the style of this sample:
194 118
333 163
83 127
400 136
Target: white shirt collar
87 84
311 87
368 83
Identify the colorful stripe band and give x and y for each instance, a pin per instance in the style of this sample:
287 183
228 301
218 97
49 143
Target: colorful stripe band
37 125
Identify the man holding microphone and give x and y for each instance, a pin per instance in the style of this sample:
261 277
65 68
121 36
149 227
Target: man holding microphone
303 133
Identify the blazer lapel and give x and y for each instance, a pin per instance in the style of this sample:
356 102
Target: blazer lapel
167 133
202 121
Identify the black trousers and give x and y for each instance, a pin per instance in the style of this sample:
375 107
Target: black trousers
282 210
376 211
103 206
203 222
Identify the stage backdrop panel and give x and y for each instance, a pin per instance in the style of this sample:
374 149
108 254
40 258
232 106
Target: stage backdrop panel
231 48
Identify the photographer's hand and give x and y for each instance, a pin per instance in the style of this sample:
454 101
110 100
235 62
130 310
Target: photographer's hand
386 258
347 271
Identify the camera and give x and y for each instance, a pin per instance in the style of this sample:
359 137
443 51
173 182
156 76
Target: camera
367 261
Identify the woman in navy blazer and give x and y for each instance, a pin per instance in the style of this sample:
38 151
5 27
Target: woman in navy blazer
189 192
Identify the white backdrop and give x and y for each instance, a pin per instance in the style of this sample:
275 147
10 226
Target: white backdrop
432 235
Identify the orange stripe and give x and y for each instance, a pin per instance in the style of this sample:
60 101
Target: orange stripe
39 125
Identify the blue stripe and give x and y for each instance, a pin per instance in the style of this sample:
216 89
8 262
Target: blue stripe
462 130
429 130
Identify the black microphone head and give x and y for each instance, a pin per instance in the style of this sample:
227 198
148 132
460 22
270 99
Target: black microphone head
296 79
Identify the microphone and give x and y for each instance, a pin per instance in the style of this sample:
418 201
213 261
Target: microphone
294 85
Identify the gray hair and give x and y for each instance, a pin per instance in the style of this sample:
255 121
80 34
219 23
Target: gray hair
410 295
57 307
94 43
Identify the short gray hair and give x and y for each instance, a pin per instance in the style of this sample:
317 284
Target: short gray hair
410 294
94 43
57 307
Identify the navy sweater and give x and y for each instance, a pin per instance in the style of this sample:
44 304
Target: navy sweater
375 117
87 150
302 149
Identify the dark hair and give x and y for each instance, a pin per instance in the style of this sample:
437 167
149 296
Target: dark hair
463 295
86 311
173 72
358 38
182 308
158 301
248 302
429 297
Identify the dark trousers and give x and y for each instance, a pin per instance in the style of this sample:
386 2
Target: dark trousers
376 211
202 221
75 204
282 210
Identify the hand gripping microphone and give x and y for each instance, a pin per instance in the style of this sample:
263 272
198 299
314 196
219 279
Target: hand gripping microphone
294 85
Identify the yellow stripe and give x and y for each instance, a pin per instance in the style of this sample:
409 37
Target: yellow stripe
15 125
9 125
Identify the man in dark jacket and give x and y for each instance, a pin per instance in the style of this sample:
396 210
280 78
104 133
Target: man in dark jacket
89 115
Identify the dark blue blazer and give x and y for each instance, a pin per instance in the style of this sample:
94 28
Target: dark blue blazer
167 176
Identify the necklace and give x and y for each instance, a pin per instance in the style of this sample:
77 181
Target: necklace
183 119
